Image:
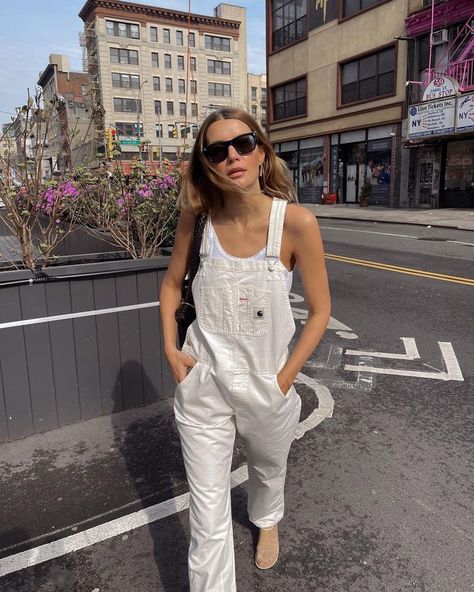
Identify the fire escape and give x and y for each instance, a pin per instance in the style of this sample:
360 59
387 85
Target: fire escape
441 19
90 64
458 60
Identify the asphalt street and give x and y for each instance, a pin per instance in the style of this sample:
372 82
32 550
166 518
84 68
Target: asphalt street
379 497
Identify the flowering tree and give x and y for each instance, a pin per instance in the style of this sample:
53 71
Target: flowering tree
137 212
39 212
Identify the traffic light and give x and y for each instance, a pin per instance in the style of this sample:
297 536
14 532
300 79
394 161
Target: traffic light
115 141
175 131
108 142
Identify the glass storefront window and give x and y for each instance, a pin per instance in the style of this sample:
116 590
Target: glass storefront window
460 166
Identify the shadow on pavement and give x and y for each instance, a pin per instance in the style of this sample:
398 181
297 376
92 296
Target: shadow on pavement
149 448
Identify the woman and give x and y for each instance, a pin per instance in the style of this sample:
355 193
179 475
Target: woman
234 371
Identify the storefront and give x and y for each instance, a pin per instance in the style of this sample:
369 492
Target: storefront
441 131
363 155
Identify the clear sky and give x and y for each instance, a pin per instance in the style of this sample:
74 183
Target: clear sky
30 30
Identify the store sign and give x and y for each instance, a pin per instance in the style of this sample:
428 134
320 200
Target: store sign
444 86
431 119
465 113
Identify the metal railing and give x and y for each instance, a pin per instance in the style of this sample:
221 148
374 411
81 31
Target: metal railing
463 72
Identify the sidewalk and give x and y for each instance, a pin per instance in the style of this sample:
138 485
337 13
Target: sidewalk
447 218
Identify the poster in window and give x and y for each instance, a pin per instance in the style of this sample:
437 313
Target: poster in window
378 172
321 12
311 175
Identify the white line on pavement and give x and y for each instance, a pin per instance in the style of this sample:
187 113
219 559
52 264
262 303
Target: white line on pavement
368 232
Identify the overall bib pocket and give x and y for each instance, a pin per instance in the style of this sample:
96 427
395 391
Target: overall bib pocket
235 310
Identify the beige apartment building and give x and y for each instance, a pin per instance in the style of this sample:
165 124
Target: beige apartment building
336 77
160 72
257 97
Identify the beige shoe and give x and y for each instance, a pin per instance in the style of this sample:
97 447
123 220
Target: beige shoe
268 548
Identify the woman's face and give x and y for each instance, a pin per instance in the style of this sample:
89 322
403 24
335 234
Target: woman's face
242 169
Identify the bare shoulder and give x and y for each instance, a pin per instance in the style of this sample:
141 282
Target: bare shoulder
299 220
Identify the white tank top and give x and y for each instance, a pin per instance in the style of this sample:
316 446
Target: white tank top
217 252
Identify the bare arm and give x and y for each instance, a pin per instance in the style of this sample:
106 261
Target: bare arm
307 250
170 294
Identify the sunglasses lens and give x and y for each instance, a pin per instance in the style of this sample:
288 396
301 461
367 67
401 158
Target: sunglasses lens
244 144
216 152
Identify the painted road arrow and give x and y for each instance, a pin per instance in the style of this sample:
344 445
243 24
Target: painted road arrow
453 371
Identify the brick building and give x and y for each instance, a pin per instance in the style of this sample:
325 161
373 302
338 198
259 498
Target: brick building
71 134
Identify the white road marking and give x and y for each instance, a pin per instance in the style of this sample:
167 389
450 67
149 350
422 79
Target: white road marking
125 524
453 371
460 243
411 351
369 232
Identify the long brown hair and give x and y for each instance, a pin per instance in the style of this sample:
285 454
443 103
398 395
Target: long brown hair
203 187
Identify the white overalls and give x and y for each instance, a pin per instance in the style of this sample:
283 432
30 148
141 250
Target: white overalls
240 341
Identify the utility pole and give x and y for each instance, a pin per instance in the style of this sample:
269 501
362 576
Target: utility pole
137 104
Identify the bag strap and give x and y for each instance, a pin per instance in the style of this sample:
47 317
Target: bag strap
194 258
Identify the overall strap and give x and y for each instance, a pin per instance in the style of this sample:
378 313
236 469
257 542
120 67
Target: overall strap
275 229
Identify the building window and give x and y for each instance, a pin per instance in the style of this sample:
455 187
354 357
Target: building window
192 40
194 86
167 60
154 34
194 109
181 86
123 56
127 105
289 100
180 62
264 94
169 84
166 36
218 67
170 107
217 43
159 130
254 93
170 130
351 7
182 109
117 29
125 80
156 83
128 129
216 89
368 77
254 110
155 62
157 107
288 22
192 64
195 131
179 37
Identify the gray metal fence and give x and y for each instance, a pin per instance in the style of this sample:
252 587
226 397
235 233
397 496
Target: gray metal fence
83 345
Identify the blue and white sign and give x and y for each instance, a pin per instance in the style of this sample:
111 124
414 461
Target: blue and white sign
431 119
465 114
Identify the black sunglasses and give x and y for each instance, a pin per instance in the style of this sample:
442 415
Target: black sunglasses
244 144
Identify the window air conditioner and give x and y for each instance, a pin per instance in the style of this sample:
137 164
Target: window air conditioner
440 37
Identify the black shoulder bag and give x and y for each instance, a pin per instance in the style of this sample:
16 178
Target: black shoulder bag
186 312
